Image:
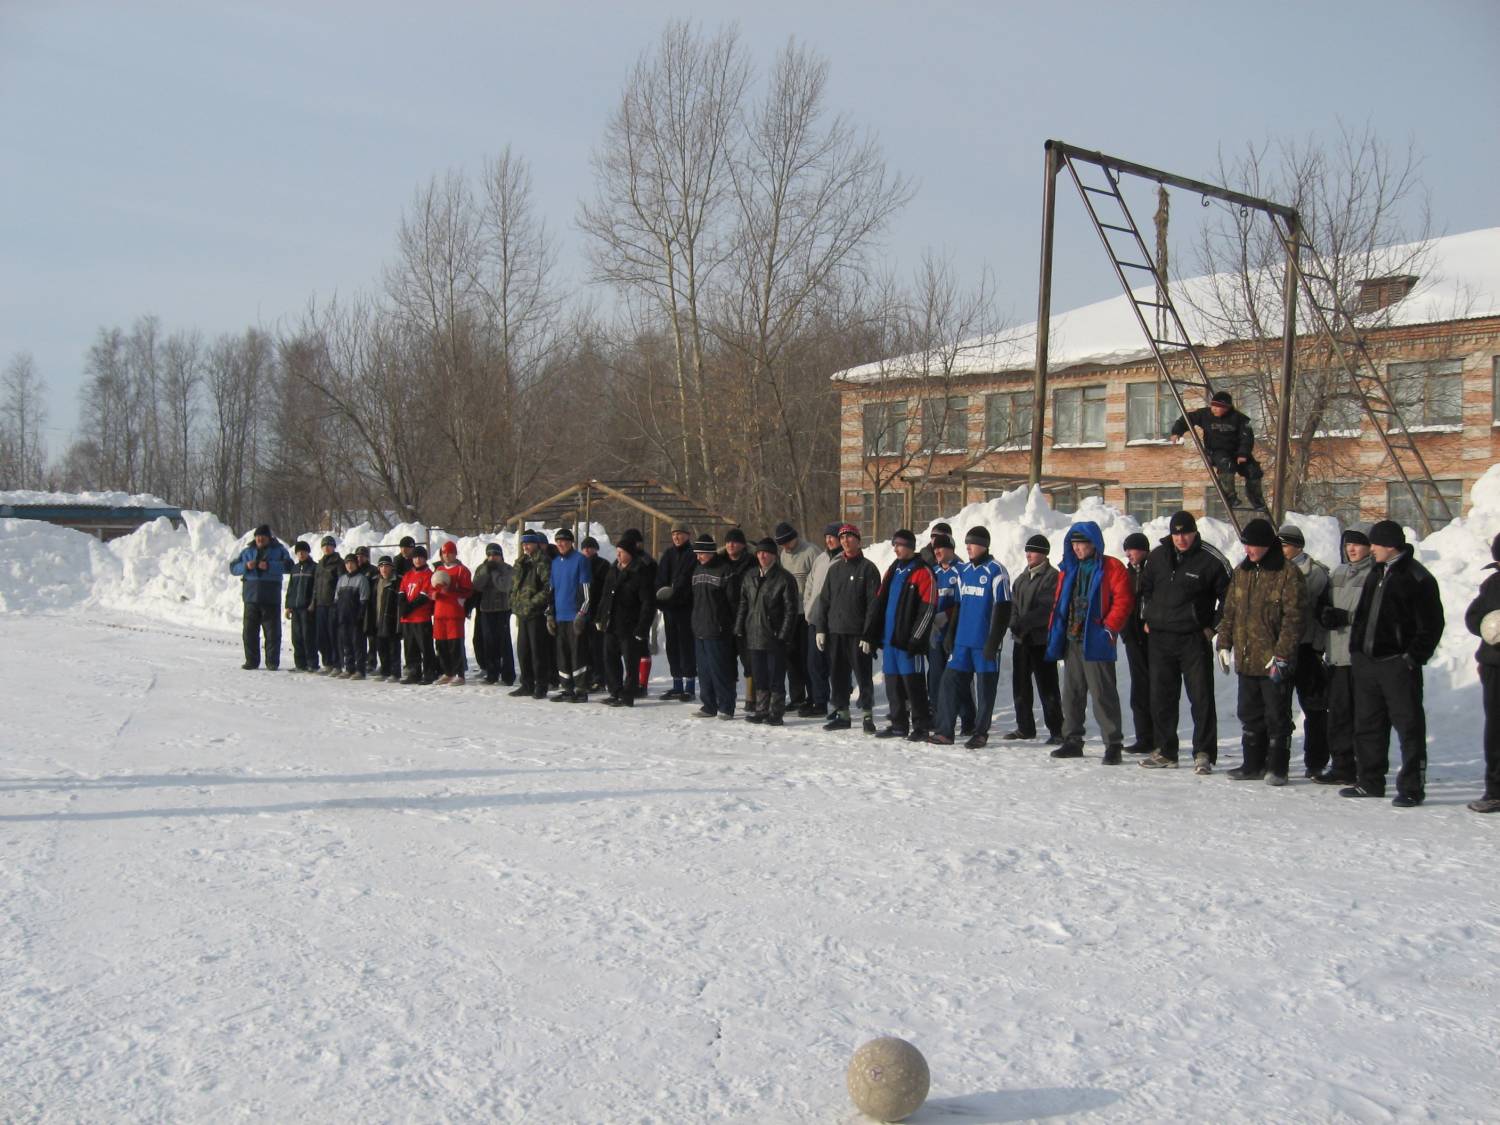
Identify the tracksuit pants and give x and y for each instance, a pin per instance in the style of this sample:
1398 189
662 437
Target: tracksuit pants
572 658
1179 659
906 697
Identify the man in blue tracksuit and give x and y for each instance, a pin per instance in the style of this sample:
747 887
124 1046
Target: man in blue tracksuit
571 575
974 638
261 566
947 573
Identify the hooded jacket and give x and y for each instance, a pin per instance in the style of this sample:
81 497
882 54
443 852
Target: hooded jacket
1263 613
1109 599
262 587
1315 578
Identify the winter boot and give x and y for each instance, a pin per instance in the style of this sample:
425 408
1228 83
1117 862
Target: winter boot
838 721
869 723
774 716
1278 761
977 742
689 690
1071 748
1202 766
1113 755
1138 747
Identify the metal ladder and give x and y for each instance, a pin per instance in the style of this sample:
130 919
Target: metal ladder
1125 223
1334 322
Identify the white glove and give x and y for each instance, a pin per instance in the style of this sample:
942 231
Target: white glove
1226 662
864 647
821 639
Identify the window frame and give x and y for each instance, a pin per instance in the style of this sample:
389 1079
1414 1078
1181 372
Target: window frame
1402 374
892 427
1159 507
1398 502
1088 395
1165 408
1025 401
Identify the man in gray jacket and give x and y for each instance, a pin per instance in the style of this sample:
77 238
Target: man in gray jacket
1311 676
1032 593
1337 616
798 558
817 661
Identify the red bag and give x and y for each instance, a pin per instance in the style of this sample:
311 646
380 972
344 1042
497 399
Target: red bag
644 672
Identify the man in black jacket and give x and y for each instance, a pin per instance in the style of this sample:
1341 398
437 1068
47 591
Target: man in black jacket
714 609
1137 648
598 576
1032 593
769 609
299 609
1184 586
1396 629
674 597
1229 441
843 619
626 611
1487 603
330 570
490 604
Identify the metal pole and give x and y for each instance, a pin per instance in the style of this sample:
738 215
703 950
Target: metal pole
1288 365
1043 313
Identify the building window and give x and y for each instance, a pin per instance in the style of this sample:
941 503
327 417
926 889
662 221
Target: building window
1340 408
1428 394
1146 504
1150 411
1399 506
1336 498
1078 415
885 517
885 428
854 506
1070 497
945 424
1007 420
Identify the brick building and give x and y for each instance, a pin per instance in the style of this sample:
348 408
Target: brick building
922 435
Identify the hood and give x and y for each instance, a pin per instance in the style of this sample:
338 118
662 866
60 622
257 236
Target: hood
1096 537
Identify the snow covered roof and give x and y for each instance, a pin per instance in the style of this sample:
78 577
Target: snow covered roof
1461 280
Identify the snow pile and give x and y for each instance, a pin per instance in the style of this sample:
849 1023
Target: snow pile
174 574
1458 556
46 567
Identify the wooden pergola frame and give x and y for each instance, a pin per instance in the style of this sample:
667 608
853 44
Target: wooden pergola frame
661 503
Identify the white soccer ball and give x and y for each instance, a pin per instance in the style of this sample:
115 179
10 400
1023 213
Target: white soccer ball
888 1079
1489 627
440 578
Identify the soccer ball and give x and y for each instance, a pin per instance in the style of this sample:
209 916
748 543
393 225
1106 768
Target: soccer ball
888 1079
440 578
1489 627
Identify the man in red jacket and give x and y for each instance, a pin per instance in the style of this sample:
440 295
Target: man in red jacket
415 606
448 595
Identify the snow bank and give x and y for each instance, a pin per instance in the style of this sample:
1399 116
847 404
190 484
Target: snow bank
43 567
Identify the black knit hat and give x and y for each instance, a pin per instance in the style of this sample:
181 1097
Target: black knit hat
494 549
784 532
385 560
906 536
765 543
705 545
1223 398
1136 541
1039 544
587 542
1387 533
735 535
1183 523
941 539
1258 533
420 552
1291 533
978 535
407 541
831 529
563 533
945 528
1354 535
328 541
301 545
264 529
631 544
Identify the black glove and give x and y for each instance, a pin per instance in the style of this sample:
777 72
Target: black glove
1331 617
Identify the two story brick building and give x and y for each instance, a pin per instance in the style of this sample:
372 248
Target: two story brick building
922 435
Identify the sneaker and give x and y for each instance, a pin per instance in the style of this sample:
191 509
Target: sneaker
811 711
1138 748
1240 773
892 731
1332 777
1113 755
1159 761
1068 750
917 735
705 713
1402 801
939 740
1485 805
1276 780
1358 791
444 680
869 723
839 721
755 717
1201 765
1017 736
977 742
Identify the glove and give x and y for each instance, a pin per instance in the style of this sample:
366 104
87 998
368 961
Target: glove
1331 617
552 626
664 594
1410 662
821 639
580 626
866 648
1226 661
1279 669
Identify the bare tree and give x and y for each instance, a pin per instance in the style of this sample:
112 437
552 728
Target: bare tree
23 413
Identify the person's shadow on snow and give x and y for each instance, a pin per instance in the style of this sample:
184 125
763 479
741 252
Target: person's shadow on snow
997 1106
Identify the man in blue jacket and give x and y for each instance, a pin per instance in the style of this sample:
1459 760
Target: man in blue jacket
261 566
571 575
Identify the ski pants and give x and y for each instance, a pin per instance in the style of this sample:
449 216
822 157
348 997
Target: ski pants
1138 656
262 620
492 648
681 658
1085 680
1179 659
421 657
957 706
715 663
326 623
847 660
1028 663
1388 696
304 640
1311 684
1265 713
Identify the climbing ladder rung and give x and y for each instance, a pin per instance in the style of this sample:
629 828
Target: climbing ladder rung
1112 226
1136 266
1112 192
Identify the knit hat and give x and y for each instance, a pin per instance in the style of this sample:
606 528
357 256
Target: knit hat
352 559
945 528
1354 535
735 535
906 536
831 529
978 535
494 549
264 529
1136 541
705 545
407 541
588 541
1183 523
681 528
420 552
564 533
785 532
386 560
1258 533
844 529
328 541
1223 398
1291 533
630 540
301 545
1039 544
533 537
365 551
1387 533
448 548
767 544
941 539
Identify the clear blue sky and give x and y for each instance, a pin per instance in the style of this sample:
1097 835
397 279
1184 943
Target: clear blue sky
218 164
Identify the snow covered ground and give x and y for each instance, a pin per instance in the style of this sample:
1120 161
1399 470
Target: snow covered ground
239 896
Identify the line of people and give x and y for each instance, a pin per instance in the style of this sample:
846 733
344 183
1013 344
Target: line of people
803 626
